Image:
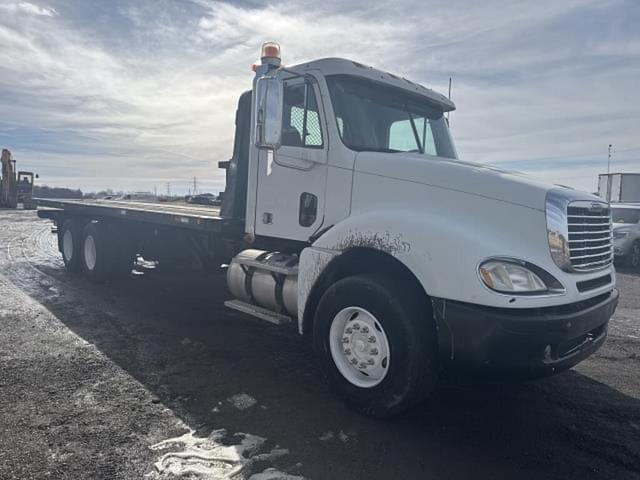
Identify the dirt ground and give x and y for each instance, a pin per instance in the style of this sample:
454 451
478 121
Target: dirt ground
93 378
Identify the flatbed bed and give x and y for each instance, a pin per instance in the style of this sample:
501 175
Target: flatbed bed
184 215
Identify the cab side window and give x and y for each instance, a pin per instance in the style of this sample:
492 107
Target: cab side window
300 119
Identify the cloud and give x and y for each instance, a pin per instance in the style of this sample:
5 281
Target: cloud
122 92
29 8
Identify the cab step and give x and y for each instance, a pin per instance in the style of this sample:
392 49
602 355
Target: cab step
259 312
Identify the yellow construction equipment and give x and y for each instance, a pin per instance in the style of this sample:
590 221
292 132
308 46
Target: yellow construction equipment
8 190
15 187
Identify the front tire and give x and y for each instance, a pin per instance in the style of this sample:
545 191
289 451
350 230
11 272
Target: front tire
377 343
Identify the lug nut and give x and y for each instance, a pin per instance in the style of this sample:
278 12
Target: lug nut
370 361
348 330
356 326
347 351
373 351
354 361
365 329
363 365
345 339
372 339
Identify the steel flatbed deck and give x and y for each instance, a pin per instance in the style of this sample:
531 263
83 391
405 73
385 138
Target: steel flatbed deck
197 217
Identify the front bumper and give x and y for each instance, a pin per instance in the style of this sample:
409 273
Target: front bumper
532 342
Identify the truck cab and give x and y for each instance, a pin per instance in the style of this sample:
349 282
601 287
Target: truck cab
353 181
24 190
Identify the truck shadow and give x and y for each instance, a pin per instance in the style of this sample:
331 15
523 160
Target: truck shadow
628 271
173 335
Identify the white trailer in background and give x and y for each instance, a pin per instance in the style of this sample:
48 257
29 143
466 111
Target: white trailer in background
619 187
348 214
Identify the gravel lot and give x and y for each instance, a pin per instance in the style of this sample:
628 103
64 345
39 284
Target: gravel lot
93 378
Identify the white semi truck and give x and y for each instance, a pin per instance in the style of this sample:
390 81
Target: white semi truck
348 214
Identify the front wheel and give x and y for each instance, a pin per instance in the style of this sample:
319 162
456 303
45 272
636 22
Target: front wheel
377 343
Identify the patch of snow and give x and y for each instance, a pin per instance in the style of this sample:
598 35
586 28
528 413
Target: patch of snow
273 474
242 401
214 458
326 436
343 437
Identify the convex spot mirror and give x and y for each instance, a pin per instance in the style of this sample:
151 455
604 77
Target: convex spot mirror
268 114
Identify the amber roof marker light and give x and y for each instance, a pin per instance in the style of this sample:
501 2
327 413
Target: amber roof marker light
270 53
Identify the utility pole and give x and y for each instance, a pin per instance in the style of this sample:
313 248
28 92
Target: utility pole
609 160
195 186
449 113
168 189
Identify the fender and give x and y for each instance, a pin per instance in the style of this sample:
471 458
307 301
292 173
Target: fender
390 231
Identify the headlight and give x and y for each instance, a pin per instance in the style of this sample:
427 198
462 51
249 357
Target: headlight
618 235
517 277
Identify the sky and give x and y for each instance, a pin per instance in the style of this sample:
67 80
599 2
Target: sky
131 95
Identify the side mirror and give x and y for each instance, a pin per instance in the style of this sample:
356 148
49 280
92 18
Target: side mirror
268 114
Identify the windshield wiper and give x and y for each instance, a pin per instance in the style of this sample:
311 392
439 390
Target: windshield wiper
415 133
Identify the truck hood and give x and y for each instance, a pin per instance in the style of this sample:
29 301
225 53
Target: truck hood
466 177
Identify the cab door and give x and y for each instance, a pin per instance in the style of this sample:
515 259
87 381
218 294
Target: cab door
292 178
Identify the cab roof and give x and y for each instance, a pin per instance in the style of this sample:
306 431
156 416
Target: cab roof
342 66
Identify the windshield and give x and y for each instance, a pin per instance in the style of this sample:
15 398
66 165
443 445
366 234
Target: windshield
375 117
625 215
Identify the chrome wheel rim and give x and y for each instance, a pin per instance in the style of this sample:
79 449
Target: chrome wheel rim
67 245
90 255
359 347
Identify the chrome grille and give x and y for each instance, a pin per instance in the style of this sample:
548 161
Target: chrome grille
590 237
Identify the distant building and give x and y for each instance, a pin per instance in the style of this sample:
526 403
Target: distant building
619 187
